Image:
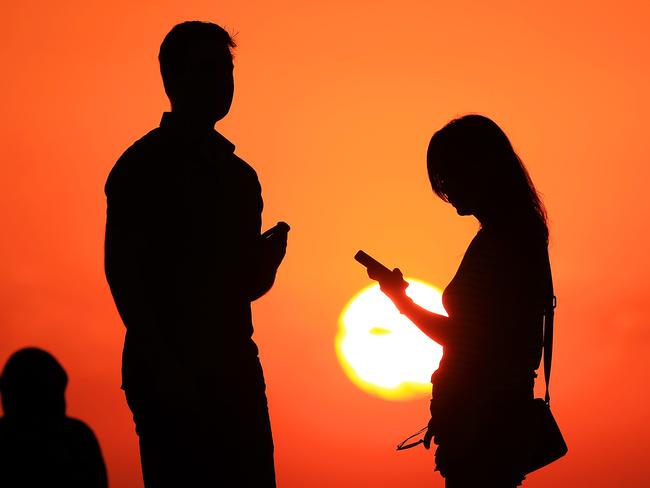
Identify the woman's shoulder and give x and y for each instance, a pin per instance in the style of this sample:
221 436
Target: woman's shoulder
518 236
513 251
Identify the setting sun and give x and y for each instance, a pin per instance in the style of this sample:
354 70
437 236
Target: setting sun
383 352
335 103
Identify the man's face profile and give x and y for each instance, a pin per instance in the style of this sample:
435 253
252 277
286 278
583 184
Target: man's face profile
204 85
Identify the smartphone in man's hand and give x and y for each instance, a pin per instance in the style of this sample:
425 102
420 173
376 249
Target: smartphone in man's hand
280 227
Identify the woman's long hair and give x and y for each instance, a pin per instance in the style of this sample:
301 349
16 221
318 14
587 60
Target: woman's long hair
474 143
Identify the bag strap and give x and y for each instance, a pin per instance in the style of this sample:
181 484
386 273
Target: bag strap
547 323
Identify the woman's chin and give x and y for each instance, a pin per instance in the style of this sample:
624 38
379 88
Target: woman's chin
462 211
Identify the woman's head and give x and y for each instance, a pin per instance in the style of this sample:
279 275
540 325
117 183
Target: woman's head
473 166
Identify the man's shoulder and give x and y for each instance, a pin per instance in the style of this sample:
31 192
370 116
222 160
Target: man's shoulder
246 169
236 169
228 148
135 160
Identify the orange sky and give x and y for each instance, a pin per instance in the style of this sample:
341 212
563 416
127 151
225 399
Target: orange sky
335 103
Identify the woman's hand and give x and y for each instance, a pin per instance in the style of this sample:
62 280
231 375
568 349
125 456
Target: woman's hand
392 284
428 436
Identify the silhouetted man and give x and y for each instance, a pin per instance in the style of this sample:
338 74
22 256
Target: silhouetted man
39 445
184 260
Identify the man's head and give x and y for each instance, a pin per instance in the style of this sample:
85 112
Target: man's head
197 70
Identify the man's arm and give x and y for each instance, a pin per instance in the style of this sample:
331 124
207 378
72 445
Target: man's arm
133 267
265 250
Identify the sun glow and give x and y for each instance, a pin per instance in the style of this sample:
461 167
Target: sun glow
383 352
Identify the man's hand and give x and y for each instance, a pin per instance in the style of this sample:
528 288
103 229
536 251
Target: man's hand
274 248
271 248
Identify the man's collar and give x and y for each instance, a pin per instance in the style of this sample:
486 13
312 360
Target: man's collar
193 131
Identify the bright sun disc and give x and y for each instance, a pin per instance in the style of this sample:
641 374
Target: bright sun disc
382 351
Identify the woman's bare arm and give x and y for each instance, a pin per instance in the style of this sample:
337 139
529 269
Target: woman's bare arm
436 326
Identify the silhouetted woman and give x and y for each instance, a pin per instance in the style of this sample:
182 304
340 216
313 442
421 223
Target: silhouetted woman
39 445
492 338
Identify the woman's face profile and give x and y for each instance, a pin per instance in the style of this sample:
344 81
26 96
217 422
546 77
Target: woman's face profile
459 183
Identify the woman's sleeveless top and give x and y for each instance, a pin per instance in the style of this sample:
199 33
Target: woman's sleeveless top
495 301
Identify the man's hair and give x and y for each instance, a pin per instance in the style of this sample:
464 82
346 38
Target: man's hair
182 38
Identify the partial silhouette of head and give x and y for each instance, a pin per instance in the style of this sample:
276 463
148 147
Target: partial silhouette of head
473 166
196 65
33 385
